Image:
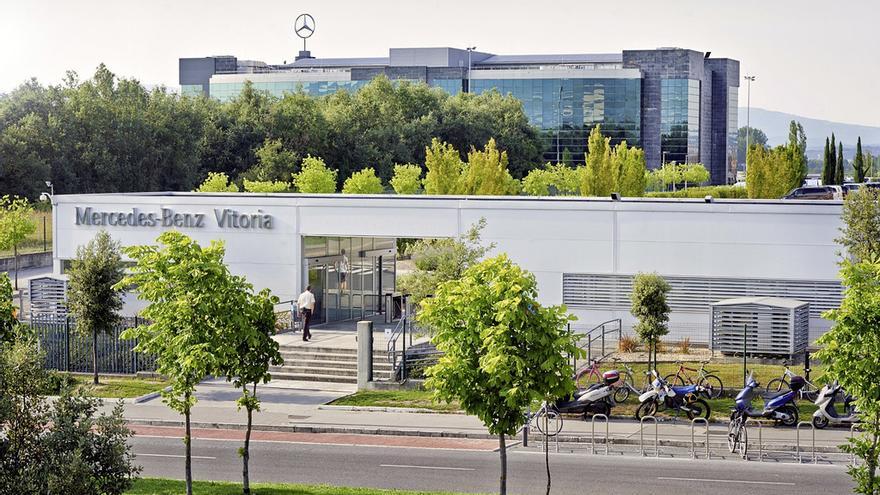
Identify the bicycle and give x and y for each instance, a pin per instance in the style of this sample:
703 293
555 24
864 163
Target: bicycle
737 435
713 385
588 375
809 392
547 420
626 384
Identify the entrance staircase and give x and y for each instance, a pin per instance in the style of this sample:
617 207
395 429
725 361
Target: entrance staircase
326 364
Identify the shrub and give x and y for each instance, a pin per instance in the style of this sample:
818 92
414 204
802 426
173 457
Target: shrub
718 192
315 177
684 345
407 179
363 181
628 343
217 182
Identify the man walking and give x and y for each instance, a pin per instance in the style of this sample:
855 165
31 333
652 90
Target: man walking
306 304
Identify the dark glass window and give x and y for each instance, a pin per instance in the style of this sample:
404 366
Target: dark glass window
680 120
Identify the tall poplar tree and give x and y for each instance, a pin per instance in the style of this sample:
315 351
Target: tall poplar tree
838 173
828 168
859 168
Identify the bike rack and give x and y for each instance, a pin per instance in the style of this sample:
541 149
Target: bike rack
656 436
760 439
593 433
693 442
852 432
798 443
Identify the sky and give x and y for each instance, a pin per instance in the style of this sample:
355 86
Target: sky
818 59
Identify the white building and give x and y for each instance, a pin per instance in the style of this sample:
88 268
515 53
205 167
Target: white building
582 251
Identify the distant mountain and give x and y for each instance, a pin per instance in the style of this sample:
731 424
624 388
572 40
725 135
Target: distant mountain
775 126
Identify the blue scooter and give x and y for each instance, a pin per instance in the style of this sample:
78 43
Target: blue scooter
779 406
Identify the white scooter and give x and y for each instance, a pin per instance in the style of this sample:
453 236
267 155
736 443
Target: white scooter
826 413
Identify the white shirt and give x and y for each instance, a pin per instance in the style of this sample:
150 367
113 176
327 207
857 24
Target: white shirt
306 300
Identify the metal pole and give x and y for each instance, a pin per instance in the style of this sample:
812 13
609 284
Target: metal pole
748 121
745 348
67 345
44 234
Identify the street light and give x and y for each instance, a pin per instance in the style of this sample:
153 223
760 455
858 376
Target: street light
51 187
748 123
469 49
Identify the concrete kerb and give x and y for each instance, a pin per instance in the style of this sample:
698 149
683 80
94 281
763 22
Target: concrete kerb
150 396
414 410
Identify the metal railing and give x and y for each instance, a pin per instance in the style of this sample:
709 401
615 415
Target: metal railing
597 334
760 439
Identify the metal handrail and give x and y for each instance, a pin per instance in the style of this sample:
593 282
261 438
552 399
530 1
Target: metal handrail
598 333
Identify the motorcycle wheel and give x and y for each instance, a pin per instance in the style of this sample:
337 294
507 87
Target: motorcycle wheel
792 413
697 409
820 422
647 408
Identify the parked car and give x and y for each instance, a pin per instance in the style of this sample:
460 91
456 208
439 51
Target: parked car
872 185
850 187
815 192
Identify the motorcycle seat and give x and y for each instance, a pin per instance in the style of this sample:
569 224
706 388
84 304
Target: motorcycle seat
773 395
689 389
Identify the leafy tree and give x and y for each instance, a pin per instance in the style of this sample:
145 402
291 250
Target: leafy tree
444 169
650 308
486 173
566 157
501 349
92 295
23 166
266 186
217 182
849 352
669 174
538 182
441 260
314 177
16 224
829 166
563 180
755 137
860 234
363 181
8 320
188 289
599 179
859 163
838 172
407 179
695 173
274 163
774 172
255 351
630 163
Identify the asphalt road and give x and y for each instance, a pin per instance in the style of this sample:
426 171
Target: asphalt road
475 471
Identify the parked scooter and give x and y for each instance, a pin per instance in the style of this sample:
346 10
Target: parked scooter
598 398
683 399
778 406
826 413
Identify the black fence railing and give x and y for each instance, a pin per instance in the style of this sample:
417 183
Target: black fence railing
65 349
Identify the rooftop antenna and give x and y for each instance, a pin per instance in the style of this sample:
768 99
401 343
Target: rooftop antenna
304 27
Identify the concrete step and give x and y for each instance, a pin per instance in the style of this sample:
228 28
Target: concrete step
317 363
313 378
329 356
316 370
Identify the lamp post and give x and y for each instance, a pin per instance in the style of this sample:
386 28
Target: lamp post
469 49
748 123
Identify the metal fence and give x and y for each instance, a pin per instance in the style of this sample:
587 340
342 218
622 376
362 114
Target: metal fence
65 349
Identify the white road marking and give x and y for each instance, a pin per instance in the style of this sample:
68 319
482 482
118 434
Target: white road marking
177 456
746 482
441 468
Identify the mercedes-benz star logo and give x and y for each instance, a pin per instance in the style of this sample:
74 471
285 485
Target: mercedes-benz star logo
304 26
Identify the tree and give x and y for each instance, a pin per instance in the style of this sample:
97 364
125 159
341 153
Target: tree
832 164
92 295
273 162
255 352
486 173
217 182
839 174
631 180
669 174
501 349
363 181
599 179
849 352
860 234
16 224
538 182
774 172
828 165
8 320
407 179
189 292
444 169
441 260
650 308
552 180
314 177
266 186
751 136
695 173
859 167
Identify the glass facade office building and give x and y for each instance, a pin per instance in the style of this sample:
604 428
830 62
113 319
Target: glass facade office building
676 104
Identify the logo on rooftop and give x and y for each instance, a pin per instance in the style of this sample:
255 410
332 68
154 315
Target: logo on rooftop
304 26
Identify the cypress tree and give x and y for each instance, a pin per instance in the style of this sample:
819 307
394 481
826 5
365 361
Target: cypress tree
832 161
828 169
838 176
859 163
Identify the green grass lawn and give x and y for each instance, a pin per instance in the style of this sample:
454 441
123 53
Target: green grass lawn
402 398
34 242
154 486
118 387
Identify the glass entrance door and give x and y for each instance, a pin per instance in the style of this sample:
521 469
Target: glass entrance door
317 278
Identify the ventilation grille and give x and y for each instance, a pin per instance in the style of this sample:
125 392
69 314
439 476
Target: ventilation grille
695 294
